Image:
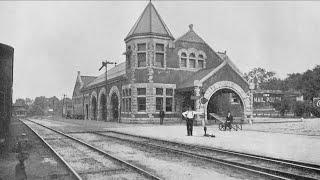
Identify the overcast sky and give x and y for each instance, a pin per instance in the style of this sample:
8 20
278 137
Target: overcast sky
53 40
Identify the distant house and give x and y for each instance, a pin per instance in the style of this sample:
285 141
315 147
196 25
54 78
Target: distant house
67 107
19 110
263 100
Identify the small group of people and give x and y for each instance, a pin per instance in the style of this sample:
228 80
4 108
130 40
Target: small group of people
189 116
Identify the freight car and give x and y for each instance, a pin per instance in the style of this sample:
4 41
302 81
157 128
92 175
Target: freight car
6 80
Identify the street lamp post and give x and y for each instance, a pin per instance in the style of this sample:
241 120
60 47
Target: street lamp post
104 64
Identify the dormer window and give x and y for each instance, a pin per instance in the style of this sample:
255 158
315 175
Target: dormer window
159 61
183 60
142 55
192 60
200 61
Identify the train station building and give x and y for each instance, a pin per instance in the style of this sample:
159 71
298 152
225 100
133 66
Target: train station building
163 72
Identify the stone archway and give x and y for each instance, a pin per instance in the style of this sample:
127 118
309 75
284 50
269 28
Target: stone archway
102 105
93 106
223 101
113 104
244 97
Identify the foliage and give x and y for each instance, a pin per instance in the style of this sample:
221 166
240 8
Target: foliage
258 76
41 105
308 83
20 102
315 111
301 109
282 106
35 110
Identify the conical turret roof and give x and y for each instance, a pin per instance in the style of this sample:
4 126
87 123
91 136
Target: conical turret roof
149 23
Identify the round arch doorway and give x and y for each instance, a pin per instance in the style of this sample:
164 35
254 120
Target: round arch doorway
223 101
114 107
103 107
94 108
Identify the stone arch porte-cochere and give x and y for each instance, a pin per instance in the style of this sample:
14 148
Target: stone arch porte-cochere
114 95
245 98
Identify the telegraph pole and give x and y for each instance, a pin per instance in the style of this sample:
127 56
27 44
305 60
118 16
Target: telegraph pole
104 64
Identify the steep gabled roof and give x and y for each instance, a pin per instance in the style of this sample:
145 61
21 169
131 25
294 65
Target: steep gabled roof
190 81
233 66
116 71
149 23
87 79
191 36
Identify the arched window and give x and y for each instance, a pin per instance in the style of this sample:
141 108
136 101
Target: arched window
192 60
183 60
200 61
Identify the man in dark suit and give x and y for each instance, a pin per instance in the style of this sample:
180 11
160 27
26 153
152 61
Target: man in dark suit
229 120
161 115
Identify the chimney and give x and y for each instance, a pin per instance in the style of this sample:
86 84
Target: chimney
78 73
190 27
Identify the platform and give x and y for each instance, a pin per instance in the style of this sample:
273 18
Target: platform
289 146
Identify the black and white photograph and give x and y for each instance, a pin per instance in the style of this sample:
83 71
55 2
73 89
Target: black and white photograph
161 90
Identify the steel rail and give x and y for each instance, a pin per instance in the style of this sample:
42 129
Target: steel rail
145 173
74 173
256 169
310 166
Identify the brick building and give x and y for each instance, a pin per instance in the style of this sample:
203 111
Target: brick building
161 72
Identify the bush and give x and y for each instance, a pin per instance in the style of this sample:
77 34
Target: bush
282 106
315 111
299 108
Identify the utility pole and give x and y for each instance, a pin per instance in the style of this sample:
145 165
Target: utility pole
64 96
104 64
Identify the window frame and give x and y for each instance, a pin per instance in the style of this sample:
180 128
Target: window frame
183 57
201 59
143 51
157 105
166 105
145 103
193 58
160 52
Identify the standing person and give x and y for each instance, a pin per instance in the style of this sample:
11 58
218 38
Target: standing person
161 115
189 115
229 120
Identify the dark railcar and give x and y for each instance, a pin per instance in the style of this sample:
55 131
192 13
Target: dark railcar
6 80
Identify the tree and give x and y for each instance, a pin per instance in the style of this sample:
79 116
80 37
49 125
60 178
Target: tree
29 101
283 105
258 76
20 102
273 84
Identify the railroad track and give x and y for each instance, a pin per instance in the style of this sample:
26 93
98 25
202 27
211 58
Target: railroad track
83 160
273 168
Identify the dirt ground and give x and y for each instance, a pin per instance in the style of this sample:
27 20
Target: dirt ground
41 163
310 127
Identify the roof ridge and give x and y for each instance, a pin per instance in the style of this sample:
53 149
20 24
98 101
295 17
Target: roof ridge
87 76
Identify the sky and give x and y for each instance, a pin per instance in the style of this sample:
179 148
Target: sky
54 40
